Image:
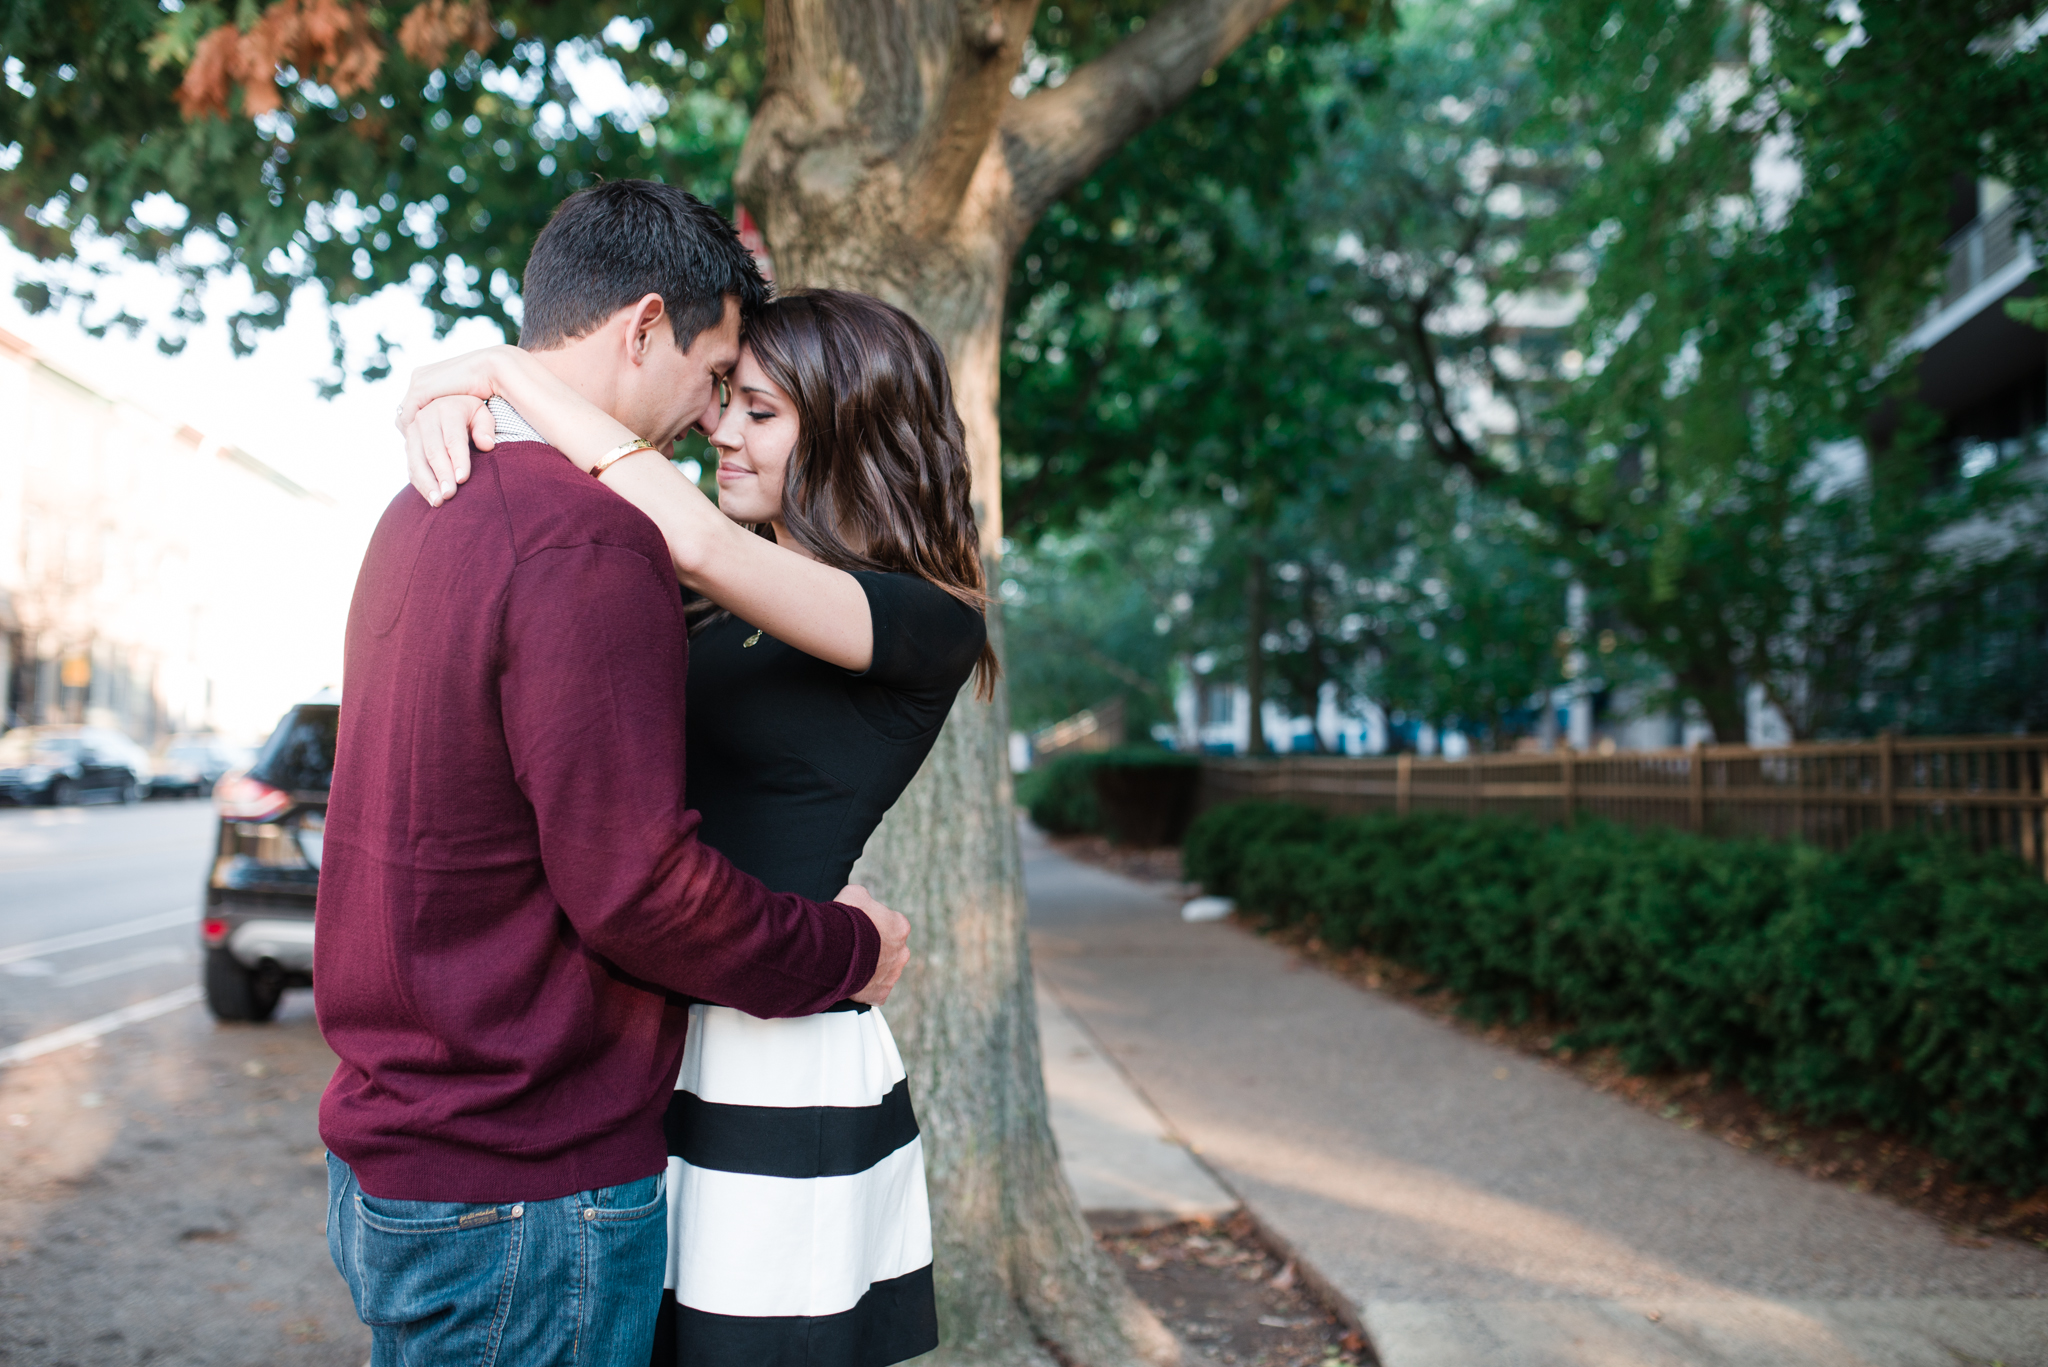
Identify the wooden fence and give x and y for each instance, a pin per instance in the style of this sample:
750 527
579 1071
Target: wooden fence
1101 727
1992 790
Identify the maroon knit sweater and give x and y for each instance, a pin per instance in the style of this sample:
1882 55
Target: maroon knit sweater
511 878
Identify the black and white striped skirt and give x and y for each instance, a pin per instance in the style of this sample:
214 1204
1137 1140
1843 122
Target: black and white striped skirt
799 1234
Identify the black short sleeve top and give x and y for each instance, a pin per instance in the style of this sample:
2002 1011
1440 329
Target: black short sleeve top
793 761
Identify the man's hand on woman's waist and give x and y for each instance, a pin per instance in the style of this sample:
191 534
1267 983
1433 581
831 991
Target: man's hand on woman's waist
895 933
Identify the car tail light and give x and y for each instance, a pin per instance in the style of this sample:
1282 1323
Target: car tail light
237 797
213 930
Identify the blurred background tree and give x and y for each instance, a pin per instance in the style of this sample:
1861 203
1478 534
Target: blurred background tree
341 148
338 146
1634 276
1105 615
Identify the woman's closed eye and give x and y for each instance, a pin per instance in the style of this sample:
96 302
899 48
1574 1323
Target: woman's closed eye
759 416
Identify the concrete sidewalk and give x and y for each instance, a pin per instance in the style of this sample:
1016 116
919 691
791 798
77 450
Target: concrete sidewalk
1127 1170
1480 1210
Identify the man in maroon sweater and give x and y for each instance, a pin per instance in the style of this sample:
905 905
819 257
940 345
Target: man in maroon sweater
513 894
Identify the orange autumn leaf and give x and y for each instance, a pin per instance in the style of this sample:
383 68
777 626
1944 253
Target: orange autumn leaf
214 71
329 41
437 25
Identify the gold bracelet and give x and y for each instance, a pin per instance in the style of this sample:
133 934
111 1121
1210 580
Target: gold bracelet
617 454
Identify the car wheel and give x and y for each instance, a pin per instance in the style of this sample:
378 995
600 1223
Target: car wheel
63 793
235 993
131 793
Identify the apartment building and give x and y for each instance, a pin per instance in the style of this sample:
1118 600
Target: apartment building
1984 372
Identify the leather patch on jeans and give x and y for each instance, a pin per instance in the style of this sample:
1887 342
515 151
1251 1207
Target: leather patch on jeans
478 1217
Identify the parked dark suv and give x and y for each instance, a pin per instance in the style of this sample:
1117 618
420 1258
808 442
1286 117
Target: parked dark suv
60 765
257 929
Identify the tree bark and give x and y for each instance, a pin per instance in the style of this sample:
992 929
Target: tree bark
889 155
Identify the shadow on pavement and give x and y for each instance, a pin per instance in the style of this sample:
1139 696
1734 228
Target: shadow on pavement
163 1200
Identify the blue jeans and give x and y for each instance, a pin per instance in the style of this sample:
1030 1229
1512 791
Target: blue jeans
529 1284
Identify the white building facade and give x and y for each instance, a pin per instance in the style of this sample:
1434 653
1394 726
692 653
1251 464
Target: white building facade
147 571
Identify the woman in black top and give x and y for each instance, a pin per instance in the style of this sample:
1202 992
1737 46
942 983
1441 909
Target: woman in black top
839 614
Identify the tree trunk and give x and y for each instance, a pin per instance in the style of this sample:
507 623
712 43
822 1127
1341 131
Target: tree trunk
1719 693
1318 661
1016 1265
1255 651
889 155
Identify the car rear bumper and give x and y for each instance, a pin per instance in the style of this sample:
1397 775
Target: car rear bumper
256 930
288 944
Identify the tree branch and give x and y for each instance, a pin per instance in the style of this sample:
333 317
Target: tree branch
943 159
1053 138
1121 672
1439 424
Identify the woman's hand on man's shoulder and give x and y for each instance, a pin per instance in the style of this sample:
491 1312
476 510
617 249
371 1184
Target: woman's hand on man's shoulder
437 444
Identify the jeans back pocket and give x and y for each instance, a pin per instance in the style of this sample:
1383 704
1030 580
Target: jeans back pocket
440 1263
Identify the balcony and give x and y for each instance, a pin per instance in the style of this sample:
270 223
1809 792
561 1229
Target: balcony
1986 261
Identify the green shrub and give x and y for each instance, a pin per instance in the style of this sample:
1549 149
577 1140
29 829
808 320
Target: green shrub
1213 852
1061 797
1903 982
1913 976
1649 940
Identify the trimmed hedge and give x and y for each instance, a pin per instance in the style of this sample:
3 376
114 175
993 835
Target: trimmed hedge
1903 982
1064 799
1060 796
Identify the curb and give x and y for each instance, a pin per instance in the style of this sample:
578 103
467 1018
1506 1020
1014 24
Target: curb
1335 1301
1105 1221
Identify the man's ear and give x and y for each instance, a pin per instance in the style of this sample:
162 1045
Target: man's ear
647 326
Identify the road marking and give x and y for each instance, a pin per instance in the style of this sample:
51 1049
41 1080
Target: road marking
97 1026
17 862
130 963
142 926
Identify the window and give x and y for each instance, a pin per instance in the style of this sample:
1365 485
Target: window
300 755
1222 707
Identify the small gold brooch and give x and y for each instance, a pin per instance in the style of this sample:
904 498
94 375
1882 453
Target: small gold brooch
750 640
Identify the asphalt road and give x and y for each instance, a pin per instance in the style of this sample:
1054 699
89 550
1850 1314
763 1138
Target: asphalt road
97 906
162 1189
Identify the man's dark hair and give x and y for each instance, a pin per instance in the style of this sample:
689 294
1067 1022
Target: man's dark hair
610 246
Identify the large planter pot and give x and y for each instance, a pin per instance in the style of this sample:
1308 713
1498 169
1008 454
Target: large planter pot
1147 804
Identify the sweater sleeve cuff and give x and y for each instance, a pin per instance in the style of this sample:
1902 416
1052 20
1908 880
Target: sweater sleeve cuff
867 948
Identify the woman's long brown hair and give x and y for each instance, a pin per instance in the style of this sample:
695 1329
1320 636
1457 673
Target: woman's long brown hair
878 479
